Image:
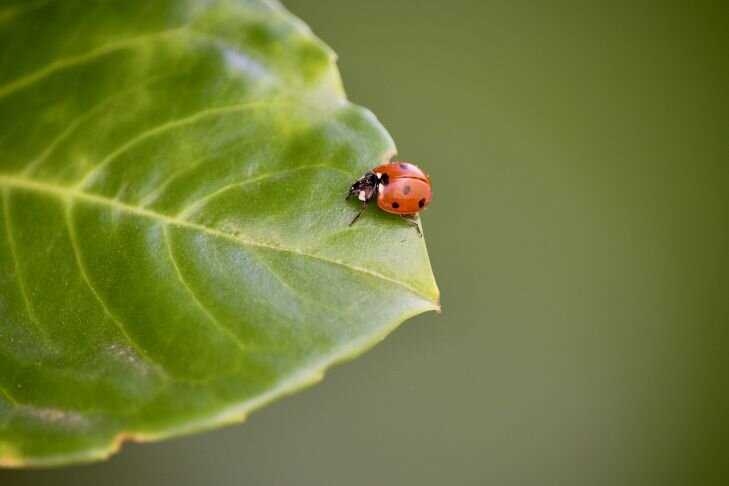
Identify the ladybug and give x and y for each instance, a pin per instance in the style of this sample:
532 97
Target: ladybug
400 188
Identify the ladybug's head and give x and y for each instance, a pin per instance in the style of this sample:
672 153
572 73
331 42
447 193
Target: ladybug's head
365 188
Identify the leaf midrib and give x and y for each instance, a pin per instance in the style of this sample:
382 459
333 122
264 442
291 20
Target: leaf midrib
72 193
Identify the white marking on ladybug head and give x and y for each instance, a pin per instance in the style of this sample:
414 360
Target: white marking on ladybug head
362 196
379 175
380 187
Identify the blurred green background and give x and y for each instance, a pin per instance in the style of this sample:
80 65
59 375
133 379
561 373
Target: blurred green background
580 237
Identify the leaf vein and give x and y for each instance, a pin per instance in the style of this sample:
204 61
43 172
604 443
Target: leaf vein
194 205
9 397
228 332
73 237
80 119
16 263
81 59
169 125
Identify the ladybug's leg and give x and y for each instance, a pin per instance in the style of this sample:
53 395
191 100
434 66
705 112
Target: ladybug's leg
413 220
364 206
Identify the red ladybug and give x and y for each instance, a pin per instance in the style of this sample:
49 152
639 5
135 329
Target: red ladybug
400 188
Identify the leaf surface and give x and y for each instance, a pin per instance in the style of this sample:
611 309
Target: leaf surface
174 240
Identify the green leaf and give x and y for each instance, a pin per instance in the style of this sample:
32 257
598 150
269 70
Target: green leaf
174 240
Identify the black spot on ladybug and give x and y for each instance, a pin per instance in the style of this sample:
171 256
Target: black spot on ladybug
421 203
406 190
395 205
404 166
385 179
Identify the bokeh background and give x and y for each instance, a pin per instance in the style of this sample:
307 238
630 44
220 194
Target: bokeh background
580 237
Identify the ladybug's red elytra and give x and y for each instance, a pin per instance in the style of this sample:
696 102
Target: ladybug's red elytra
400 188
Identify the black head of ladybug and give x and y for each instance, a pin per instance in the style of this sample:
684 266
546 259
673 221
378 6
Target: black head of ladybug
365 188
